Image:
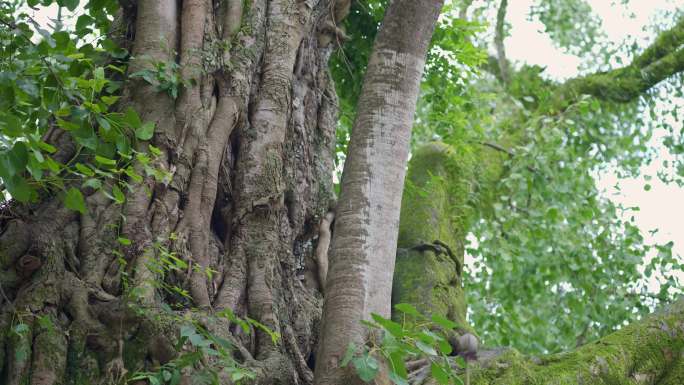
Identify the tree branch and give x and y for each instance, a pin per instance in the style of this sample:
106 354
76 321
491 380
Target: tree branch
504 150
499 42
645 352
497 147
664 58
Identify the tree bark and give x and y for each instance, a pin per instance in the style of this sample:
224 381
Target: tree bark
249 144
367 215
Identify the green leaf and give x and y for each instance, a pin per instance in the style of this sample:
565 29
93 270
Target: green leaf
198 340
105 161
119 196
397 379
132 118
70 4
445 347
145 132
175 380
408 309
366 367
18 158
443 322
135 177
439 374
62 40
397 365
348 354
74 200
425 348
104 123
100 80
92 183
187 330
109 100
35 168
82 25
11 125
117 69
123 146
19 188
83 169
392 327
154 150
46 147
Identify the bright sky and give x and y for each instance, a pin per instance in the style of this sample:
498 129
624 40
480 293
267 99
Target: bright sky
662 206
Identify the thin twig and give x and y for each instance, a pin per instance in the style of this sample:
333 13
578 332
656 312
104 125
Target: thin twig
505 150
499 42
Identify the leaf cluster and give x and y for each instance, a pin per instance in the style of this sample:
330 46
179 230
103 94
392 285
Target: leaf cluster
56 81
393 344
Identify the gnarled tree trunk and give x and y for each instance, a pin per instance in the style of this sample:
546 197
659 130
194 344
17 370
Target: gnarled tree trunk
248 145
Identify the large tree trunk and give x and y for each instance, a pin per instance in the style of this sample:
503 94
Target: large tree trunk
249 144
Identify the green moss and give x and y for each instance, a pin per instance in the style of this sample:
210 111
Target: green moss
52 345
434 208
650 352
434 204
135 351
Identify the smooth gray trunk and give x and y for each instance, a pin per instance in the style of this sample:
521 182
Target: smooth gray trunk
365 235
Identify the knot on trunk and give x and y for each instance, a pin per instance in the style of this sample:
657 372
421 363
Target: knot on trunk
27 264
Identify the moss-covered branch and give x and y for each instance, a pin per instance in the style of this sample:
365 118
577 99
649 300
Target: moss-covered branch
664 58
648 352
665 43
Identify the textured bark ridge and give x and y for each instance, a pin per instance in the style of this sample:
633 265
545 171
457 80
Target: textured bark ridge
249 145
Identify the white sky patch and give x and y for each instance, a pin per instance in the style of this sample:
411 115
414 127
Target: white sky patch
527 43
